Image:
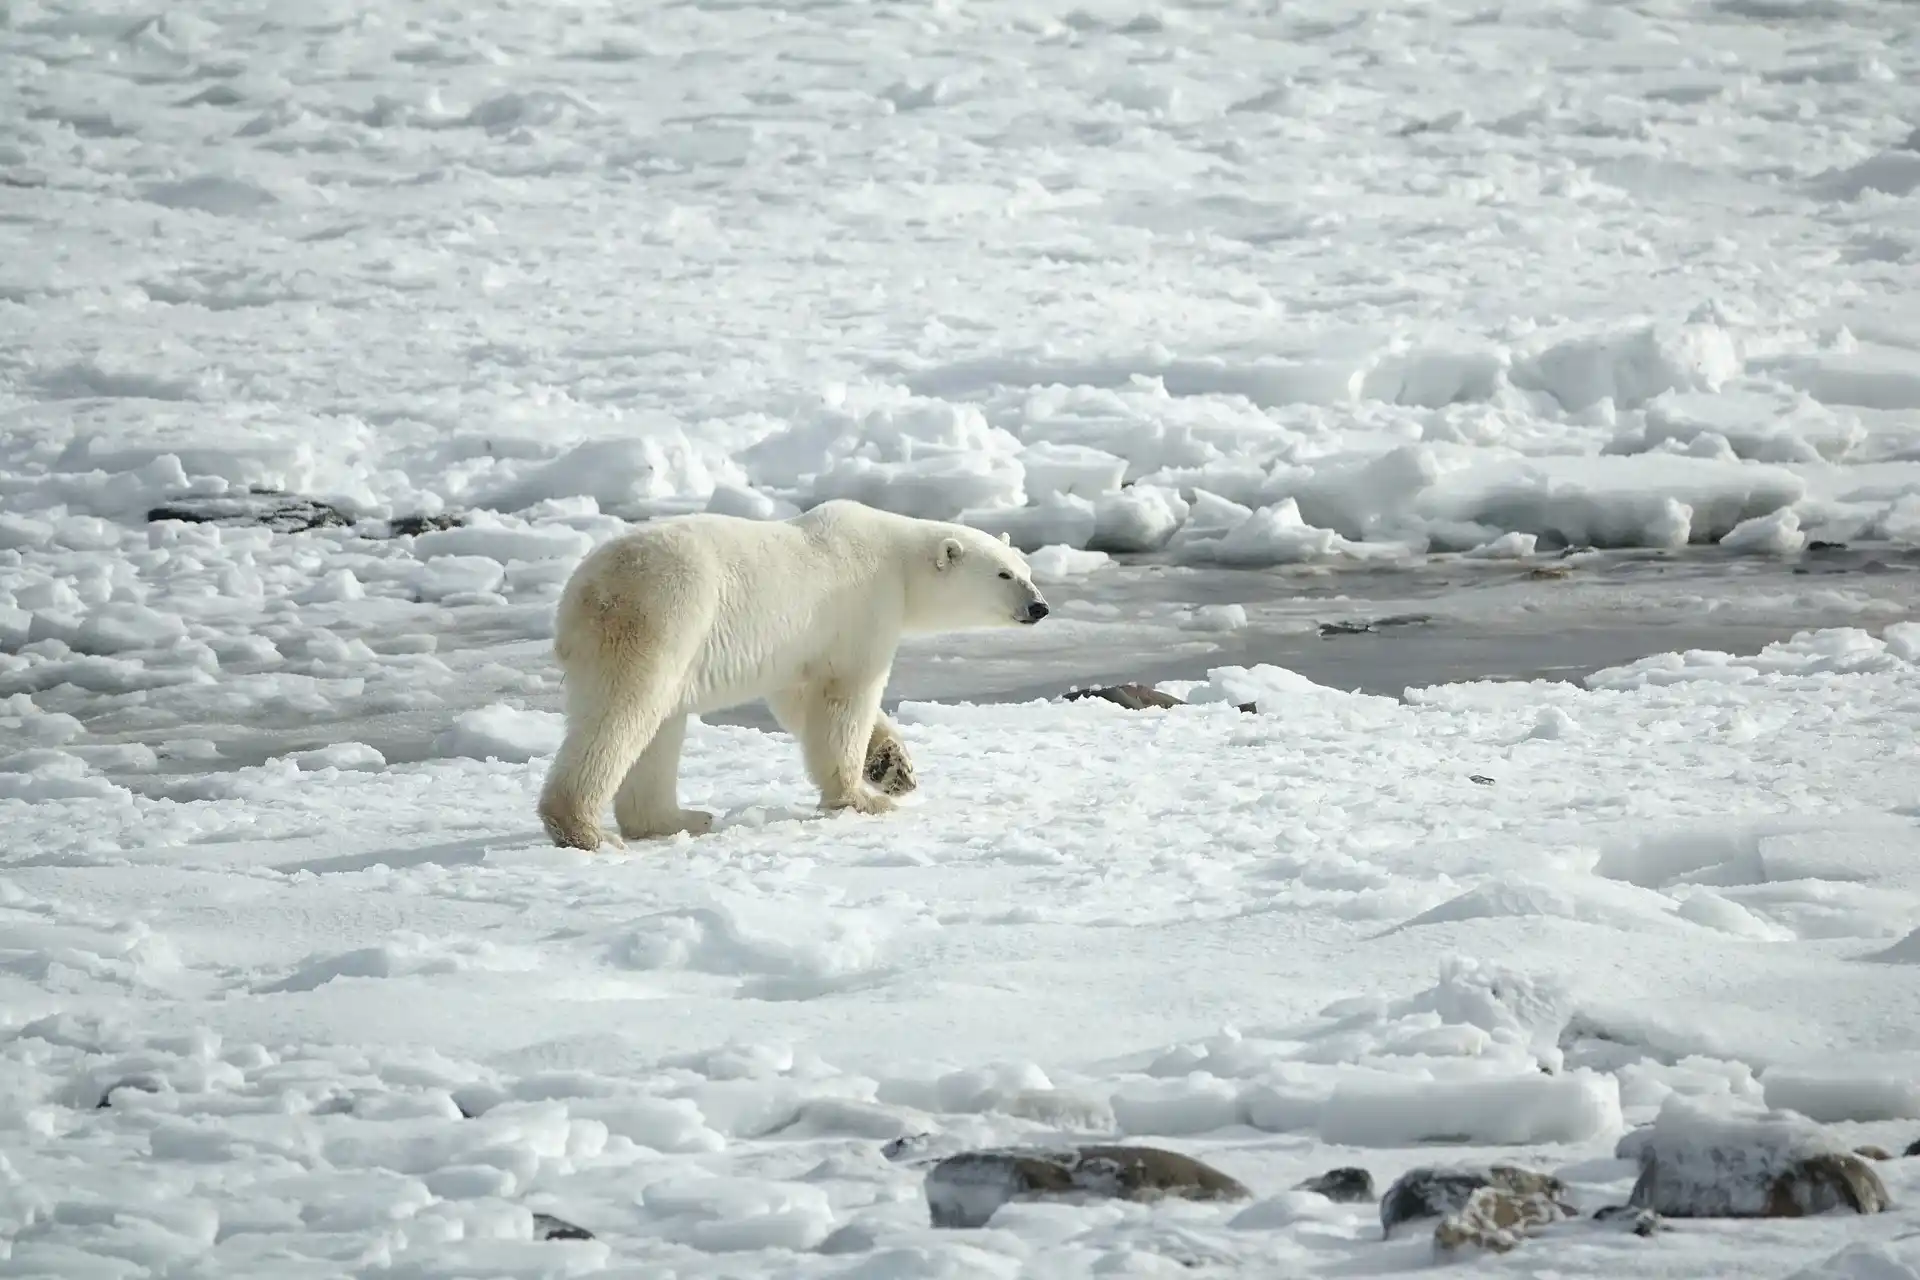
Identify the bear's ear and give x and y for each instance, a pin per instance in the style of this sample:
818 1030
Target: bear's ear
947 552
1005 541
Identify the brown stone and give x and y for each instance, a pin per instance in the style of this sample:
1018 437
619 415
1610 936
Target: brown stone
1872 1152
1428 1192
1139 697
965 1190
1818 1184
1347 1185
1134 697
1642 1222
1496 1219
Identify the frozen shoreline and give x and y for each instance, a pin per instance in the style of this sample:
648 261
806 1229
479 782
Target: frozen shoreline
1447 621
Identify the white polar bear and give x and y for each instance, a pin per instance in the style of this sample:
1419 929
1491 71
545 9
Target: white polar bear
702 612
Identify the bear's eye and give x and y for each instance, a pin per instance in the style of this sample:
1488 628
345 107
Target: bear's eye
1006 575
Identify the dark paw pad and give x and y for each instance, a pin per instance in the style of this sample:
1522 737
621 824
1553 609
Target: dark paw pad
888 767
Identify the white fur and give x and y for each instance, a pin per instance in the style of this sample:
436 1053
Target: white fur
698 613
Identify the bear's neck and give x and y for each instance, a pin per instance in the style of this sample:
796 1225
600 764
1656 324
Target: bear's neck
923 608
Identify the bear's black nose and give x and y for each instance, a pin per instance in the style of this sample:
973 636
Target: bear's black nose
1036 611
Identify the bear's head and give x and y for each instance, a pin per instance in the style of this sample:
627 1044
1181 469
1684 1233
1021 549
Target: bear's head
978 581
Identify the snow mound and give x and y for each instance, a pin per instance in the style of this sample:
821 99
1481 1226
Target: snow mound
502 732
1827 653
1630 367
404 956
1500 1112
504 543
1060 563
732 1215
1828 1097
782 955
623 474
1864 1261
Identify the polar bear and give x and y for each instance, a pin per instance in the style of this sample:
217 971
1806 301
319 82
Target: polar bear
702 612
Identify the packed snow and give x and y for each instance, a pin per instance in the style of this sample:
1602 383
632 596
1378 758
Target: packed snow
332 337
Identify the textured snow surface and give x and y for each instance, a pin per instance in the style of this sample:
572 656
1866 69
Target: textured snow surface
1311 282
290 984
352 1019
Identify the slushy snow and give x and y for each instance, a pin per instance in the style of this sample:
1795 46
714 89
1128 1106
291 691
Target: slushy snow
290 983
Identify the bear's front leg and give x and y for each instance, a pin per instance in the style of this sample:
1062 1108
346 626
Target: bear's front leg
835 729
888 766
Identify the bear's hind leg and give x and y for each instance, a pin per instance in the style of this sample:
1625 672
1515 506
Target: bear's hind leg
647 805
834 722
610 722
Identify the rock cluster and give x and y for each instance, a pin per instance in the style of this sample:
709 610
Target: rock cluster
1693 1162
287 513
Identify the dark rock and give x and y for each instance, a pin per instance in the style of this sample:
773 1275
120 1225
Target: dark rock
907 1147
888 766
139 1084
1913 1149
1428 1192
1480 778
1872 1152
283 513
414 526
965 1190
1347 1185
1550 572
1414 128
1377 624
548 1227
1496 1219
1643 1222
1138 697
1134 697
1823 1183
1698 1164
1818 545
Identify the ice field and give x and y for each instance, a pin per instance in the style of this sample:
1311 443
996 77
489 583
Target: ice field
1518 403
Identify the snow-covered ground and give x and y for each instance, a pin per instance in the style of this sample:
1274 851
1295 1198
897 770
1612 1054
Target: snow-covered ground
1391 302
1315 936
